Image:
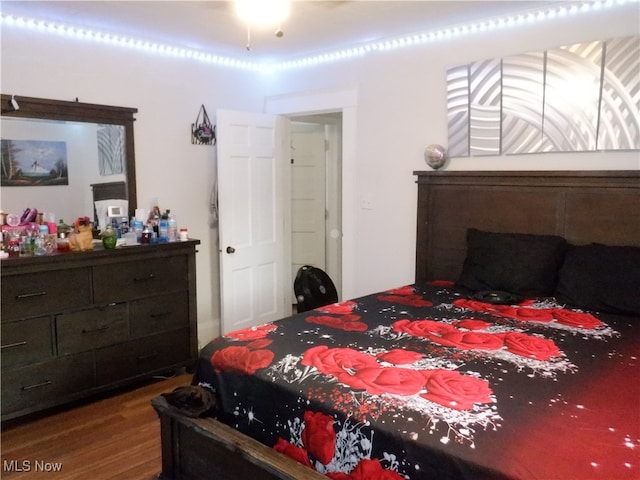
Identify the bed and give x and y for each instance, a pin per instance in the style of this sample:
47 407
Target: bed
514 355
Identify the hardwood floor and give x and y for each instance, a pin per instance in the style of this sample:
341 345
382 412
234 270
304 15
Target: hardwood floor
115 437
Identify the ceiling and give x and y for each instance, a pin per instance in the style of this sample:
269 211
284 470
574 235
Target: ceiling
313 27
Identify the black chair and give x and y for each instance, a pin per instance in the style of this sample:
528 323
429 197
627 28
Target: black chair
313 288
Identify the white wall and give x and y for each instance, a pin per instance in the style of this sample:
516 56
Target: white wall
401 108
168 94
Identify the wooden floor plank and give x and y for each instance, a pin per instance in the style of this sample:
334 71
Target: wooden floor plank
115 437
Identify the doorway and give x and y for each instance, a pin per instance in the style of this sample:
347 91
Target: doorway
281 110
316 204
318 103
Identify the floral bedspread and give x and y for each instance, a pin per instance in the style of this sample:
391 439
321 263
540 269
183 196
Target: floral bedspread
423 382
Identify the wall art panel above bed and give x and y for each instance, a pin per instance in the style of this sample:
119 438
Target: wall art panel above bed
573 98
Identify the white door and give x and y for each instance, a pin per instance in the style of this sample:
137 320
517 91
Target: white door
254 267
308 196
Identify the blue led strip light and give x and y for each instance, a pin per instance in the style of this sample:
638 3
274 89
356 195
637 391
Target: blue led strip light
498 23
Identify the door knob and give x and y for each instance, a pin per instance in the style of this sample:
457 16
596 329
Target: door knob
230 250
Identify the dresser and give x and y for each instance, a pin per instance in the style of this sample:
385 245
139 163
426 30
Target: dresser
79 323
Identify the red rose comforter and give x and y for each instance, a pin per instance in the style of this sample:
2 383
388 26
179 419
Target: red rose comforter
423 382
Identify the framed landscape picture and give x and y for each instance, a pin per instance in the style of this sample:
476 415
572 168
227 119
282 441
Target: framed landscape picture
33 163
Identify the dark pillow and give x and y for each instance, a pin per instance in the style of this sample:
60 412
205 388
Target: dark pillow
519 263
600 277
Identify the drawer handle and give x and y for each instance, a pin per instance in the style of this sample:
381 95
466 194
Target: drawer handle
160 315
102 328
142 358
36 385
11 345
30 295
151 276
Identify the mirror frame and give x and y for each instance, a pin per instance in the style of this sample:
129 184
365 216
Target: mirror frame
47 109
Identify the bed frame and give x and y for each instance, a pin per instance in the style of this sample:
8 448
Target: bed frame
583 207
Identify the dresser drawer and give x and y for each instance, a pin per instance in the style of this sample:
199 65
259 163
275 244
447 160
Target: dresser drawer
45 292
125 281
46 383
156 314
92 328
25 342
137 357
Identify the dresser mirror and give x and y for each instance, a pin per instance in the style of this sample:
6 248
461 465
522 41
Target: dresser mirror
61 156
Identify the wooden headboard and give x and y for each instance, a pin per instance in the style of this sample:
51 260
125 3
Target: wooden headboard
581 206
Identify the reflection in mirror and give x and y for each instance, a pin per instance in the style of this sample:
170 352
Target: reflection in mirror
58 161
59 156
